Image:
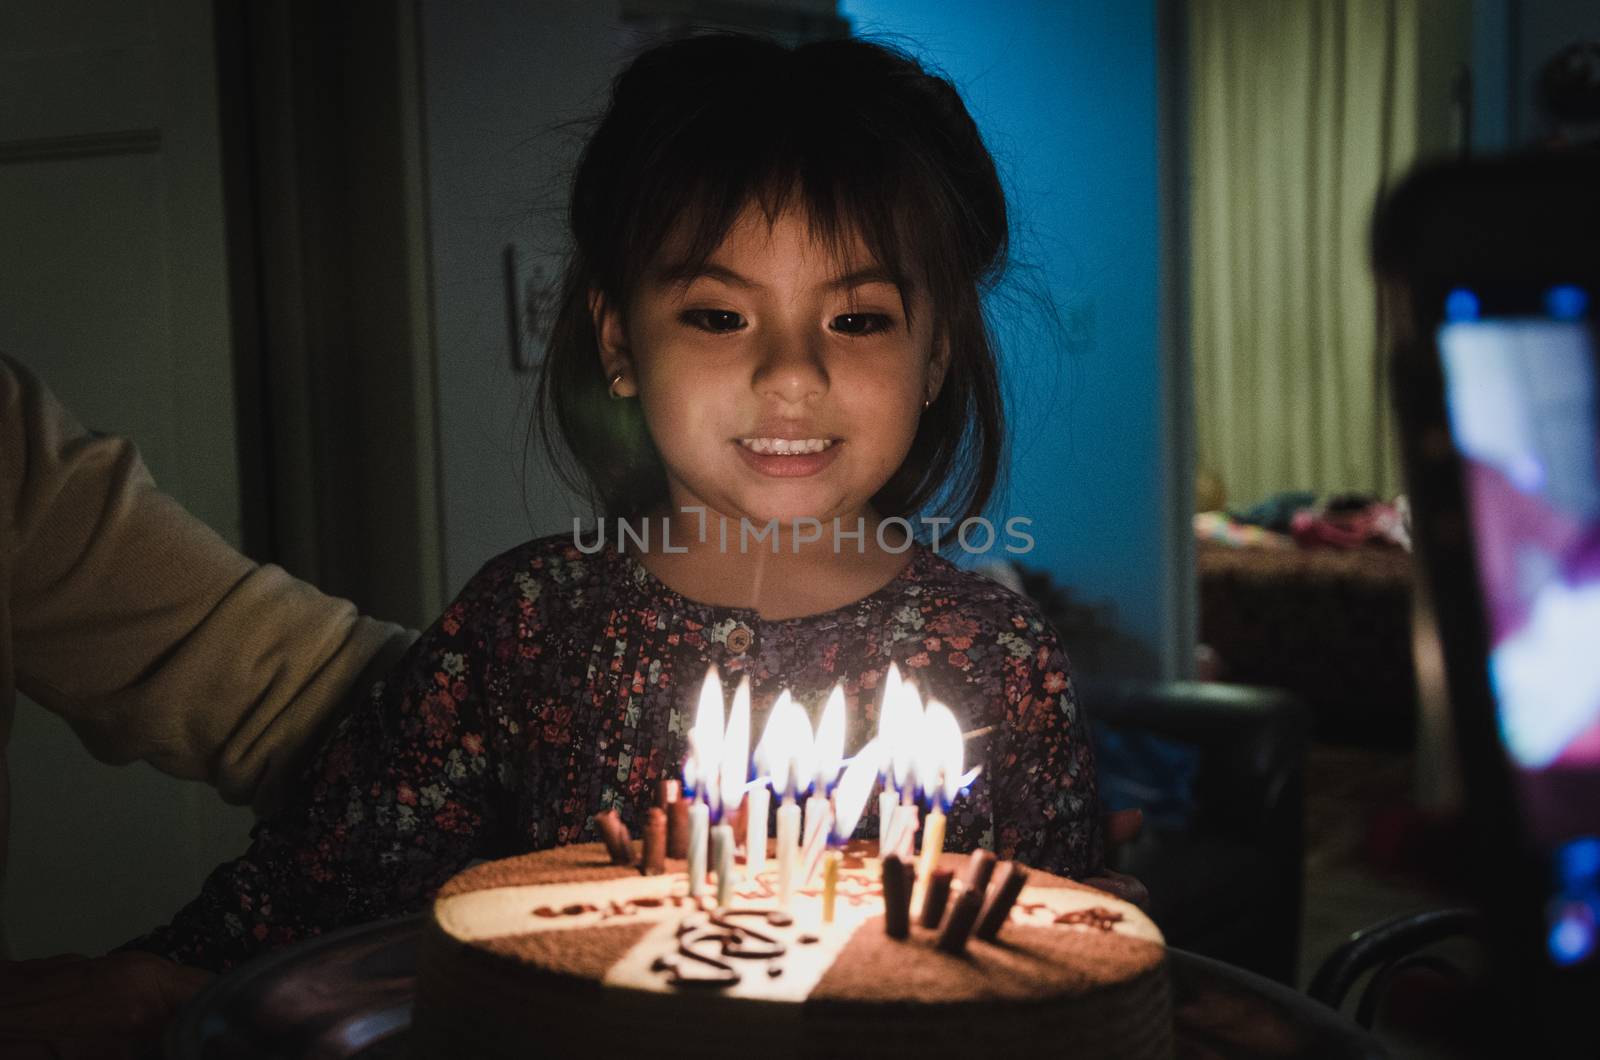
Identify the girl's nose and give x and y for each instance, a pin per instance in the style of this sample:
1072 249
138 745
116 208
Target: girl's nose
791 369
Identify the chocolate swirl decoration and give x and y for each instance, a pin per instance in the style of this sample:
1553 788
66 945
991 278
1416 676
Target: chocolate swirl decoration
722 933
1097 917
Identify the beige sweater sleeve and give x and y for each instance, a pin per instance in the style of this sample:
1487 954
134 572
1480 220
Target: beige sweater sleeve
144 629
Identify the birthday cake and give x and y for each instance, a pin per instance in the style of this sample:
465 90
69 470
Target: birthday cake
568 953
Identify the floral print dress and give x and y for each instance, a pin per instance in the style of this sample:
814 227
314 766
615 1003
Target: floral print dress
561 683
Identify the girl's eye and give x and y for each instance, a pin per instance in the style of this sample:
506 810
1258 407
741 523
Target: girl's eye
716 321
862 323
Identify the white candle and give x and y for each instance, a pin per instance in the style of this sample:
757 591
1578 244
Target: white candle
699 826
788 849
811 855
722 848
755 842
887 800
888 739
816 817
903 832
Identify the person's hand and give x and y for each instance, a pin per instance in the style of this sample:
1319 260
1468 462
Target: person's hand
1120 827
76 1008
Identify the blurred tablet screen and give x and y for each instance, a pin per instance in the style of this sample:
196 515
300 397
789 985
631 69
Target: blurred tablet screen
1522 393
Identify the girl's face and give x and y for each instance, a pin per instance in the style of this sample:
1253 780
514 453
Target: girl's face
777 382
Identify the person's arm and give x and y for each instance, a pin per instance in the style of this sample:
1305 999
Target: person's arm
1046 808
146 631
108 1008
404 794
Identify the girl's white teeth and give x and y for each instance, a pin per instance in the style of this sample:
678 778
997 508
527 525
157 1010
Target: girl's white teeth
785 446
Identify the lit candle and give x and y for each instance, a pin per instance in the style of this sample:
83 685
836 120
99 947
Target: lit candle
903 836
848 802
699 825
700 773
735 770
939 776
888 712
815 846
830 884
755 843
816 817
788 841
722 841
829 753
768 760
903 755
791 749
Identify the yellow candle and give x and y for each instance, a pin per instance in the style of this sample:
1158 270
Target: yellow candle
830 884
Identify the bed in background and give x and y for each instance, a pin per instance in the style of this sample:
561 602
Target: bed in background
1331 625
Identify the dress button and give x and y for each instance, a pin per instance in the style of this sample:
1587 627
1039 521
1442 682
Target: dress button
738 639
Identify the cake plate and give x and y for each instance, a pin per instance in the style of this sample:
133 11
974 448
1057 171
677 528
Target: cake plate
348 994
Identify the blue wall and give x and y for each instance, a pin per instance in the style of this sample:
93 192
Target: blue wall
1066 96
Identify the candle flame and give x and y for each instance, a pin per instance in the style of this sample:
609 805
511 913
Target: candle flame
784 753
907 735
830 742
736 747
691 775
942 755
888 722
770 755
850 797
705 739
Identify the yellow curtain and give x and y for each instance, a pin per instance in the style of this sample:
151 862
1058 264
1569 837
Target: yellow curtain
1301 110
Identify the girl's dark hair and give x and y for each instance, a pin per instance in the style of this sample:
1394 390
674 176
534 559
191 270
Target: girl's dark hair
859 137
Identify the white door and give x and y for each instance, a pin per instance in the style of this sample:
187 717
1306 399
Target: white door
113 288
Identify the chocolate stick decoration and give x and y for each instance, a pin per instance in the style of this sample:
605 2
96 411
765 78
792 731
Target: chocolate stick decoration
958 925
655 842
934 901
614 834
980 867
896 897
964 914
677 809
1008 884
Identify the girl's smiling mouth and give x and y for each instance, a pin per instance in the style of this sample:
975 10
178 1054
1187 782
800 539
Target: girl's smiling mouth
788 457
786 446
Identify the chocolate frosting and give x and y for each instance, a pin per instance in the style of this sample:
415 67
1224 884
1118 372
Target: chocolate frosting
1083 988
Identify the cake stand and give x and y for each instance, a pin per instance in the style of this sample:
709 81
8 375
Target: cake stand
348 994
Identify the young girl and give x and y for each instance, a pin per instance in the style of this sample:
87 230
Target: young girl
772 312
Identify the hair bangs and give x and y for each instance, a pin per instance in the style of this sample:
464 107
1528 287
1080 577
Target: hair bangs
859 205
